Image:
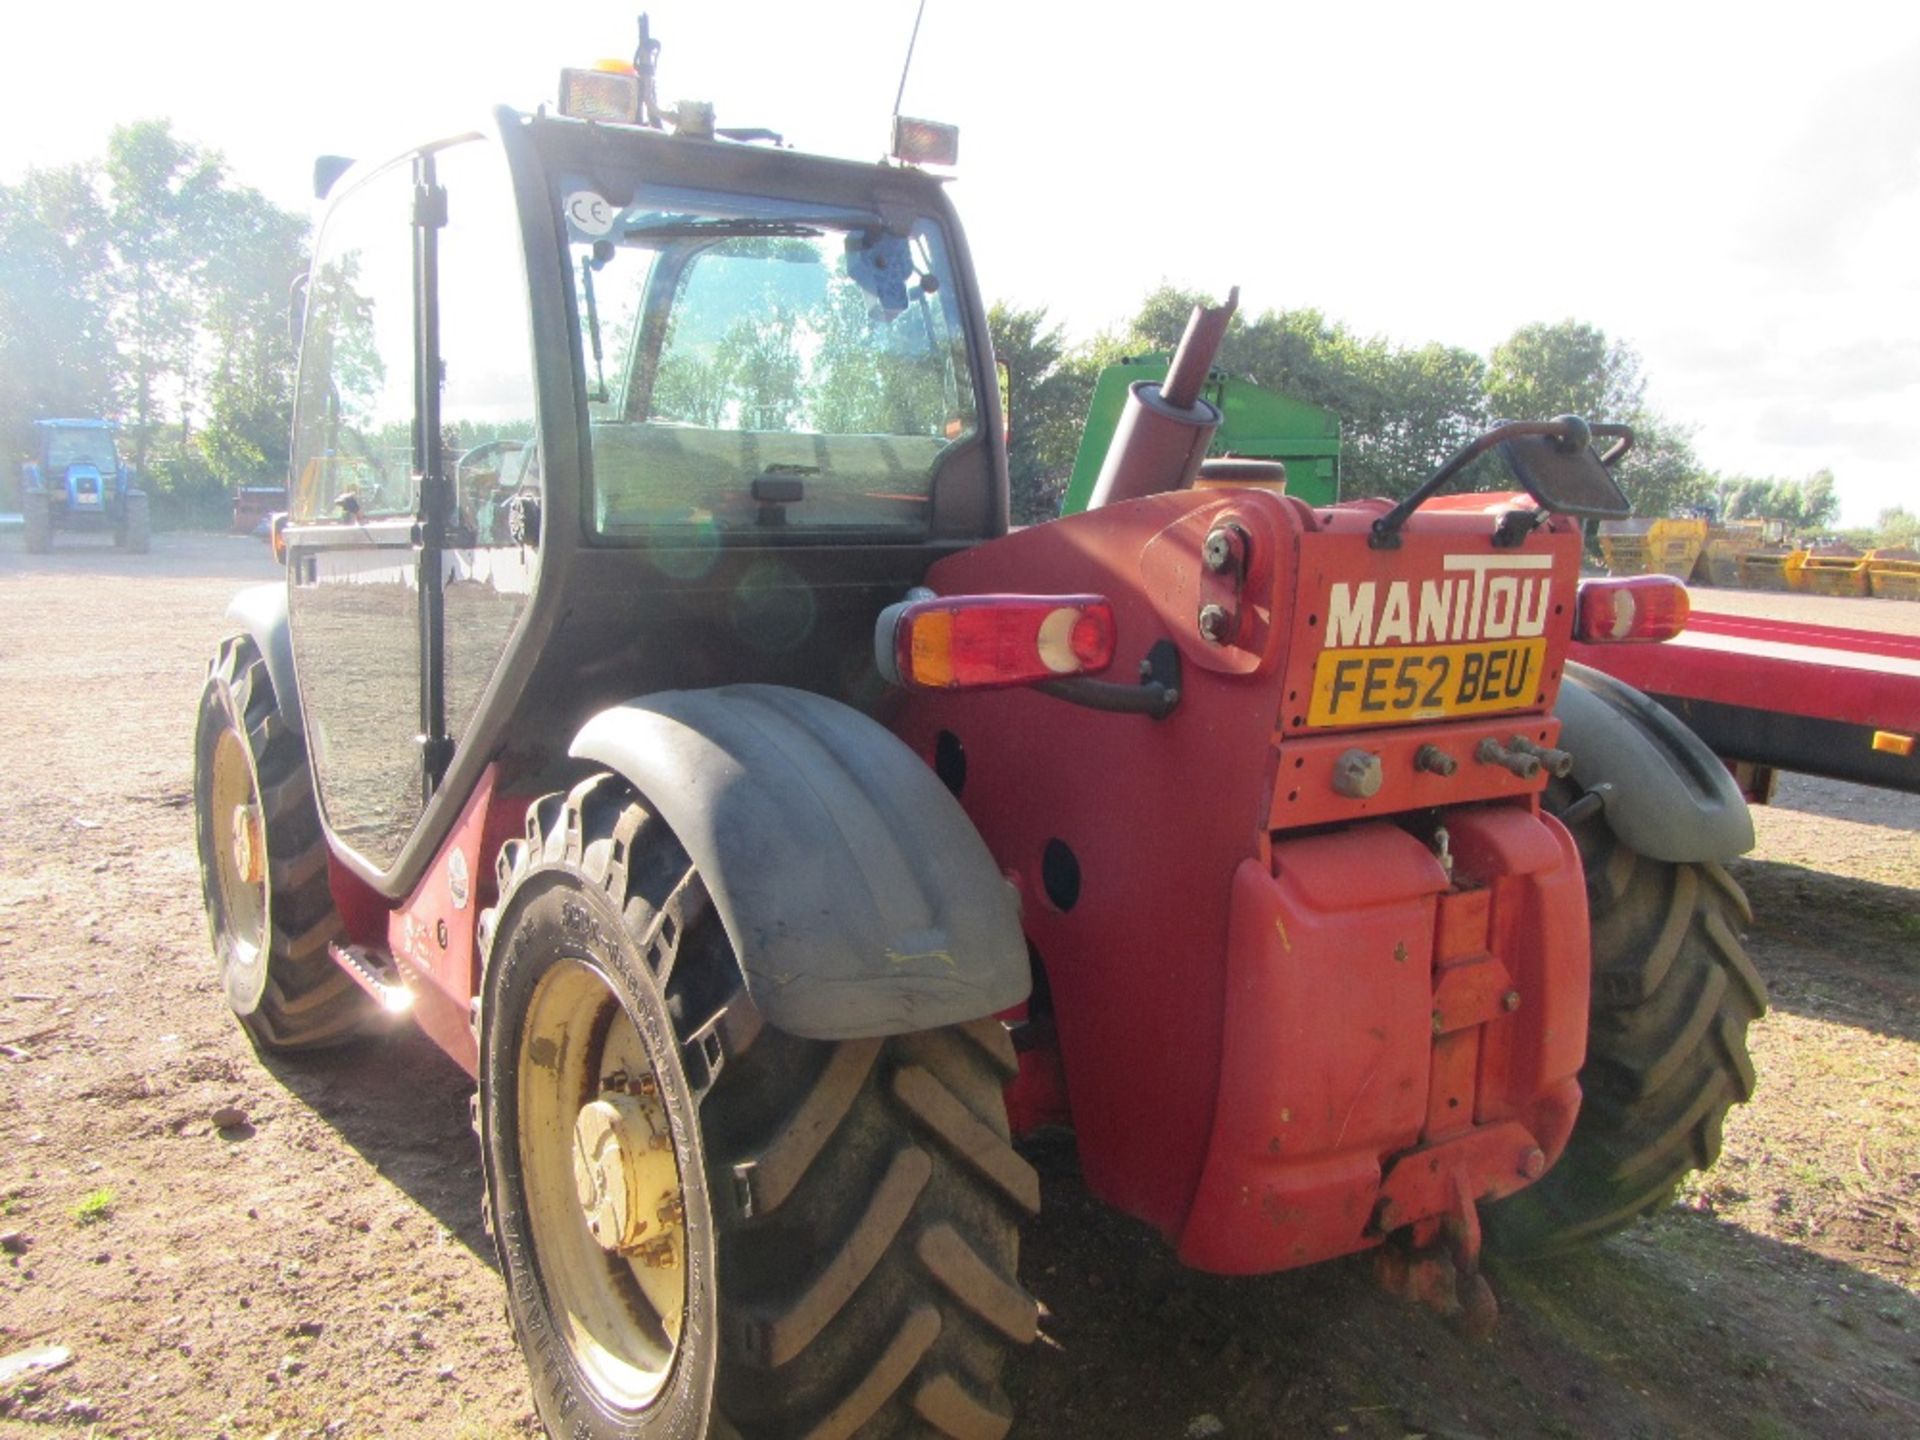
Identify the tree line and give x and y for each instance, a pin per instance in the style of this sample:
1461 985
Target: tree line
1403 409
151 287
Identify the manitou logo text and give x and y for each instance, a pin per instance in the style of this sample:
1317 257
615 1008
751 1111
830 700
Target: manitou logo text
1494 597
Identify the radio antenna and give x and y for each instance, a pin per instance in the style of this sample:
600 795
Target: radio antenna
901 93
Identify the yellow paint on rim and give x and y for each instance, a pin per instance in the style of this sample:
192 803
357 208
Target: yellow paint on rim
603 1192
240 874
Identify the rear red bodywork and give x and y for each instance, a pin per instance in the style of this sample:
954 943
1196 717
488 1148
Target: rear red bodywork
1283 1028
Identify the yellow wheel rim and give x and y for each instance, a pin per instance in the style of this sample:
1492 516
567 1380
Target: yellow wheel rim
239 848
602 1183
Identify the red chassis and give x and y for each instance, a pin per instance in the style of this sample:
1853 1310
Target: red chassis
1283 1020
1284 1029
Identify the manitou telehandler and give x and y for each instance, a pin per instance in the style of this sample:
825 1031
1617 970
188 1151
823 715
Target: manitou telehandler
674 730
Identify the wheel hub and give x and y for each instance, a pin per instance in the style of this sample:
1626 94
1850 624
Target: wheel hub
249 845
625 1176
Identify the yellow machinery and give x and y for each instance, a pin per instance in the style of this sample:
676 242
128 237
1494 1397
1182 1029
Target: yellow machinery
1727 546
1894 574
1834 570
1773 568
1652 547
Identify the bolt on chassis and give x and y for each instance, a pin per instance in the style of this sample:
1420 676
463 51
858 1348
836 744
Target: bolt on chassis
660 713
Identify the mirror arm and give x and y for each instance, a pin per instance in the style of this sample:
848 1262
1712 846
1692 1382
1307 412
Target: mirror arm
1622 437
1569 432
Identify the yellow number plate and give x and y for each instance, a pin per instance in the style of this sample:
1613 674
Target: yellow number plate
1398 684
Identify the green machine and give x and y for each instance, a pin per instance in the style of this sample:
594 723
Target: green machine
1254 423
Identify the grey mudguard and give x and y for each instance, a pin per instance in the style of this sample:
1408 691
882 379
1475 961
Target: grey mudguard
1669 796
859 898
263 610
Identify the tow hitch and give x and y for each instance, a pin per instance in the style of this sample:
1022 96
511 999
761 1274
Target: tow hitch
1438 1266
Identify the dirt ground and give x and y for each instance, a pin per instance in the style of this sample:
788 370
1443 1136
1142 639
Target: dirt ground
321 1270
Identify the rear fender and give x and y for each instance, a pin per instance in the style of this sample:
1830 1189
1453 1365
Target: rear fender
262 610
858 896
1669 797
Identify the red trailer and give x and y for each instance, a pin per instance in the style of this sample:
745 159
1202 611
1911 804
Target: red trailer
1770 694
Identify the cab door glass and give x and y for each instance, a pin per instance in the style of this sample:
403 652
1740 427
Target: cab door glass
353 432
354 596
487 429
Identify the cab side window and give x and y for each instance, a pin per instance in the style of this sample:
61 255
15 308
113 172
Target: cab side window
487 434
353 434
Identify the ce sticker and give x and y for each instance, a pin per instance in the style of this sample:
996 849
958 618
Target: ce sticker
588 213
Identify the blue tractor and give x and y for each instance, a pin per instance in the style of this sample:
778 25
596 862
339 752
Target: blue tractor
77 482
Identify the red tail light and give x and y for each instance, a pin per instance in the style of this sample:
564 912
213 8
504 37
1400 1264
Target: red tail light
977 642
1641 607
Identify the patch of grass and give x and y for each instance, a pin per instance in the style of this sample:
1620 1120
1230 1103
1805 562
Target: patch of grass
1768 1427
1811 1175
97 1207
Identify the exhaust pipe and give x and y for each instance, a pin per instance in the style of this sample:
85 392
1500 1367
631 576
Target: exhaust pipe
1164 432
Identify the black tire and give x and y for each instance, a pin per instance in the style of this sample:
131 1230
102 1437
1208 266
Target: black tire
270 935
134 534
851 1208
36 516
1673 994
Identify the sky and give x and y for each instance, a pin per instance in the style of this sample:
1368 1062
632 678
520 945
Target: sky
1733 191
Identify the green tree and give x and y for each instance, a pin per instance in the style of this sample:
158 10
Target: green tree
248 397
159 192
57 355
1571 368
1402 410
1897 526
150 288
1048 388
1162 317
1426 404
1809 504
1564 369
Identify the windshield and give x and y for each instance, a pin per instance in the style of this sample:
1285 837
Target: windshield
80 447
764 366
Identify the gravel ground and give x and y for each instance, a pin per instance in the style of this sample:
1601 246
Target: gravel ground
320 1269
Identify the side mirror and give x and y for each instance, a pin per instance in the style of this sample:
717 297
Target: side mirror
1553 460
1562 471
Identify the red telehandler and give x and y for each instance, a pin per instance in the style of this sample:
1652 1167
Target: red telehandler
677 734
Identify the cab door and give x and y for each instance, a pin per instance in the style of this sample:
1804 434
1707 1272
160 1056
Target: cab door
412 456
353 545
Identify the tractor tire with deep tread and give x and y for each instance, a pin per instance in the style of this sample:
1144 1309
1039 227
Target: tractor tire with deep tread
135 532
270 934
36 516
1673 993
861 1198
